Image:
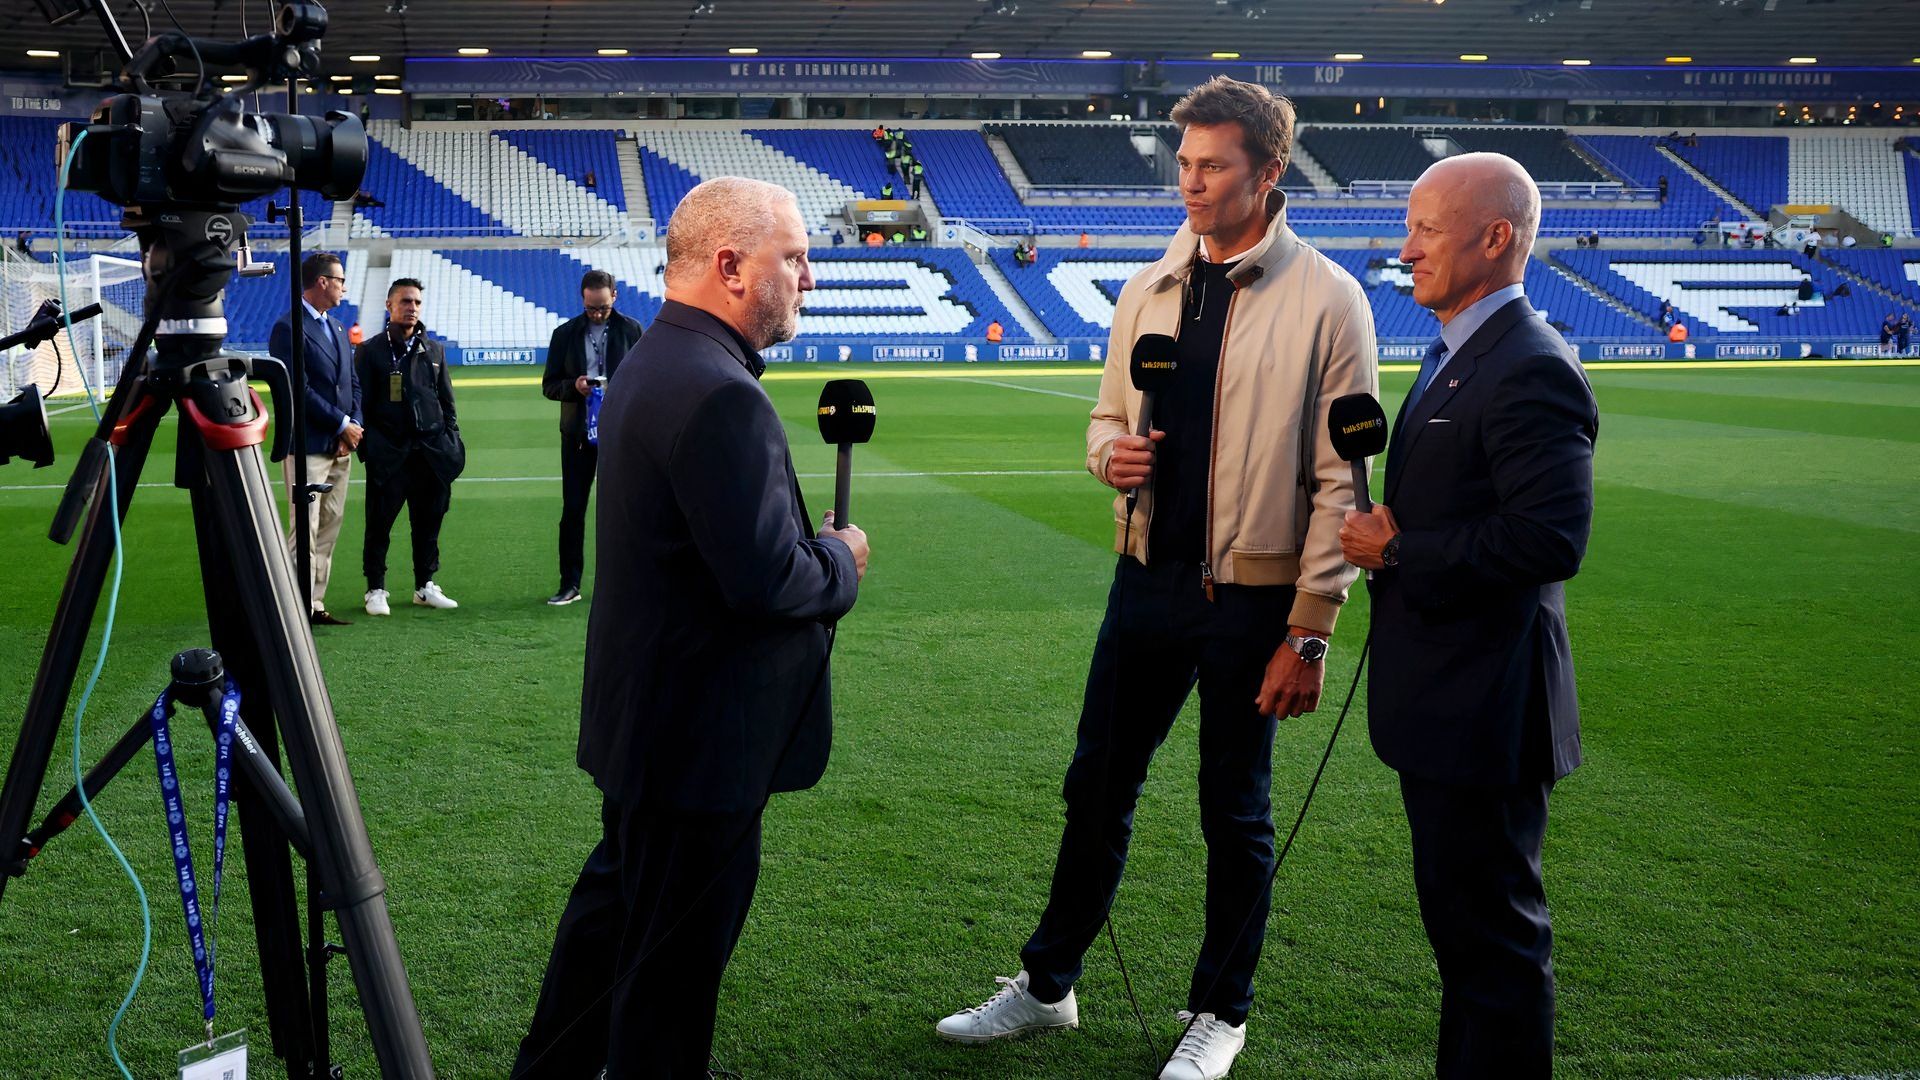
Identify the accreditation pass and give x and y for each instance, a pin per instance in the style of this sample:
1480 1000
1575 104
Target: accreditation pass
225 1058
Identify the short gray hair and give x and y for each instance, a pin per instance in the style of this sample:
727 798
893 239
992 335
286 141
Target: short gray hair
725 212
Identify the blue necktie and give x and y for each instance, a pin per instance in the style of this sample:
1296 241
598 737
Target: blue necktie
1429 366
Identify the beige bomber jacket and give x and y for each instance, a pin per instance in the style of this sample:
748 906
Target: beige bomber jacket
1299 334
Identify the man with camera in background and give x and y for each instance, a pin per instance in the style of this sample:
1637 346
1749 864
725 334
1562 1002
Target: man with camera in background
583 355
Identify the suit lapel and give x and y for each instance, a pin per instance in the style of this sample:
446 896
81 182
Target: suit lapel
1448 381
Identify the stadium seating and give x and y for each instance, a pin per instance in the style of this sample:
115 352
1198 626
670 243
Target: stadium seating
440 182
966 181
1085 155
1896 271
1864 176
1752 168
1073 290
1733 292
699 154
1350 154
1689 202
1544 152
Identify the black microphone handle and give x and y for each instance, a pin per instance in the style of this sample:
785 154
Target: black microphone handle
842 485
1362 498
1145 426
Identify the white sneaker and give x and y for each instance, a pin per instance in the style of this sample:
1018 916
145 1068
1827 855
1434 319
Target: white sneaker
429 595
377 602
1207 1050
1010 1012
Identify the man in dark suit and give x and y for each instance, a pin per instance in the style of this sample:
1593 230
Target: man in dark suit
412 447
1471 696
706 686
331 409
585 352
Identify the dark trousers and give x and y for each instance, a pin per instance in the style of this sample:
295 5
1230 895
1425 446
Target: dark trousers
1476 866
425 496
663 893
1157 640
578 458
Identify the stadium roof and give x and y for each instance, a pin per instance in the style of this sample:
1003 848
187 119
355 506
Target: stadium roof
1737 32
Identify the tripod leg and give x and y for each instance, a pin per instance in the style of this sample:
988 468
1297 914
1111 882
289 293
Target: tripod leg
68 809
66 641
259 572
264 842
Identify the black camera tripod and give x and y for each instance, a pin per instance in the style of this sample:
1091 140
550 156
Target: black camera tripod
258 623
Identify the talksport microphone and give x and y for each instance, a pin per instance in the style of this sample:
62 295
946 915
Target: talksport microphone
846 417
1358 428
1156 357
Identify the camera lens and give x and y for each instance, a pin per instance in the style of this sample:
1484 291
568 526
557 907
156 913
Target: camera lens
327 155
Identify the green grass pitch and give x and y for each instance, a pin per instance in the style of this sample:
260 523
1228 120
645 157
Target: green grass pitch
1733 874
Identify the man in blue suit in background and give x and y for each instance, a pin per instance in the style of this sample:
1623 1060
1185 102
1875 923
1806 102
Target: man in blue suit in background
332 413
1471 695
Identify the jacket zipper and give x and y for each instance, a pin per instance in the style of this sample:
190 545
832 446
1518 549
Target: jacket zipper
1213 444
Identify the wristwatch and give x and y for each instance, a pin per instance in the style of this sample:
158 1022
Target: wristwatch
1312 649
1390 554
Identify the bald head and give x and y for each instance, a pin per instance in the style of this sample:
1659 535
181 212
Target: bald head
729 212
1485 188
1471 221
737 249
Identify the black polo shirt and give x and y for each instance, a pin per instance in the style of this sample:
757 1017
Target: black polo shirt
1184 411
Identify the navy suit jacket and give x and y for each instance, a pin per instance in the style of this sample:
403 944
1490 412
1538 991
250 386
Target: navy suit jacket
1490 477
333 387
706 682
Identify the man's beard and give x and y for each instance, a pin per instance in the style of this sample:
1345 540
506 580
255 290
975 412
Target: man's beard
771 320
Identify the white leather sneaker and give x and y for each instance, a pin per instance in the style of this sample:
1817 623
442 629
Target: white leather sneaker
1207 1050
1010 1012
429 595
377 602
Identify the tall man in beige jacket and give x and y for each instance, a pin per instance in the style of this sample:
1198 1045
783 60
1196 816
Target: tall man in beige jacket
1230 575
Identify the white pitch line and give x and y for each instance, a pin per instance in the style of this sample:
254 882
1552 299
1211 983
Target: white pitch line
891 475
1030 389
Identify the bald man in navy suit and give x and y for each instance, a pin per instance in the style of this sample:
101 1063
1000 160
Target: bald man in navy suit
1489 502
331 409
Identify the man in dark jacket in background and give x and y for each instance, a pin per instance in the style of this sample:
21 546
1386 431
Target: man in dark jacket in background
412 447
584 353
706 685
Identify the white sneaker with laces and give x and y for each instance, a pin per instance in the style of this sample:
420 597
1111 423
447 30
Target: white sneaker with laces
429 595
1207 1050
377 602
1010 1012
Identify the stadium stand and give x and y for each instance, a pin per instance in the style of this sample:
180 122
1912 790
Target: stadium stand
1863 175
1753 168
966 181
1733 292
1351 154
1544 152
1067 155
440 182
1636 160
255 304
1898 272
699 154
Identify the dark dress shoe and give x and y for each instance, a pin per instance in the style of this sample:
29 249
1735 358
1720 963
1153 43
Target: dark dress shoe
567 595
327 618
